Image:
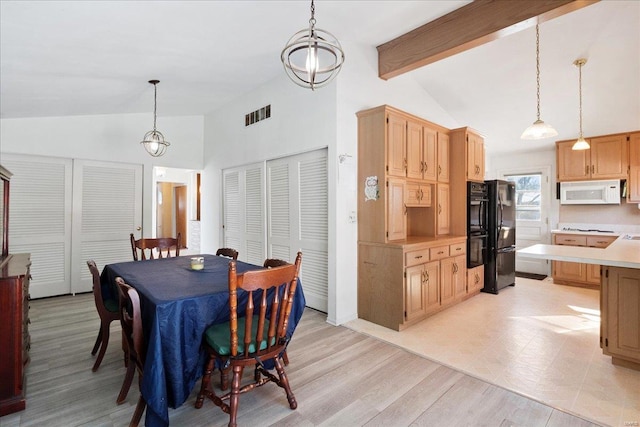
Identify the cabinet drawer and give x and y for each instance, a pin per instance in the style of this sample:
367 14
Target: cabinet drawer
439 252
599 242
570 240
458 249
416 257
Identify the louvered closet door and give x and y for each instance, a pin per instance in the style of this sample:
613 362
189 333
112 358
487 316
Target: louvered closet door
243 212
297 215
107 205
40 219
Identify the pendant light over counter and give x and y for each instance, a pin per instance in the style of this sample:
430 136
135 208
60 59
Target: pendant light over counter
581 143
539 129
153 140
312 57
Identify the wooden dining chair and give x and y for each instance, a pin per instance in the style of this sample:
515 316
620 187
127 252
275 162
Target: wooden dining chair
149 248
108 312
131 321
228 252
270 263
255 339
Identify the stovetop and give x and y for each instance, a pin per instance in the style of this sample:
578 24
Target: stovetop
592 230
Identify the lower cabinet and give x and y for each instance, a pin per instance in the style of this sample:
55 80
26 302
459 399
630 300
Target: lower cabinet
15 340
576 273
399 285
620 316
475 279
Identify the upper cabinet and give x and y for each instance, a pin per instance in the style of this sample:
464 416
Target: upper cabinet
608 158
475 157
396 145
634 168
443 157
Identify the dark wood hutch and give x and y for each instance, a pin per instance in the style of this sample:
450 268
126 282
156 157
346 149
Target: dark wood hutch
14 315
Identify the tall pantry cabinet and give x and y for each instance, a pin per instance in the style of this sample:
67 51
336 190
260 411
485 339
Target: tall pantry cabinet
410 263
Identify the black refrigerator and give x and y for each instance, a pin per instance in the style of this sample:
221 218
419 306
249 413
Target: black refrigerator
500 263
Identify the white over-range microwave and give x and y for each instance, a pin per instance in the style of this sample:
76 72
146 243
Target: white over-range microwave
590 192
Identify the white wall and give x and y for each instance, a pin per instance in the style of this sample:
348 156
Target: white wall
303 120
114 138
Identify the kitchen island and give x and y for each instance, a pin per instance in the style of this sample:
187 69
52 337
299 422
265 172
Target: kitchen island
619 292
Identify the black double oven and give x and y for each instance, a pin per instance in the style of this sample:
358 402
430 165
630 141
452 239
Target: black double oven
477 203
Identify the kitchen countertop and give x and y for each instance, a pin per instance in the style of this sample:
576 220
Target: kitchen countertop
623 252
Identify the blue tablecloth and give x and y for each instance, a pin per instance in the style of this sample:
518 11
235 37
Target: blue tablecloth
177 305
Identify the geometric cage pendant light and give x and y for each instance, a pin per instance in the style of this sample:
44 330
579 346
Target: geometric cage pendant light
581 143
153 140
312 57
539 129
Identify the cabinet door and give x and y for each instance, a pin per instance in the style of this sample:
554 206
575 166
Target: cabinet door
609 157
412 192
443 157
432 284
396 145
592 272
415 293
572 164
621 313
415 152
634 168
570 271
471 161
430 154
443 198
460 276
396 211
475 279
447 283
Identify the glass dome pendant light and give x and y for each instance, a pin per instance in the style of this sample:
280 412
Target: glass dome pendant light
539 129
581 143
312 57
153 140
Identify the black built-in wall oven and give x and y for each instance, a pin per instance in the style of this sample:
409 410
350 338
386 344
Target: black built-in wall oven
477 199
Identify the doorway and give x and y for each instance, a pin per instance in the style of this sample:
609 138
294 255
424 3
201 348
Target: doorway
176 204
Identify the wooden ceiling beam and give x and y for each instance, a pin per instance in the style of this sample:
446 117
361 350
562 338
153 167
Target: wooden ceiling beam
472 25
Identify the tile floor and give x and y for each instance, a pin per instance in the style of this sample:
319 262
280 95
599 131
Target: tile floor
538 339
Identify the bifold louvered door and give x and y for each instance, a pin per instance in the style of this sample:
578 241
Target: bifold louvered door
297 215
64 212
243 218
40 219
108 197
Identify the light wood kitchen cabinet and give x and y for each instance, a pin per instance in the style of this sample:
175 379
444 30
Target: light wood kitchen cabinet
608 158
443 157
422 152
475 279
396 210
576 273
620 315
443 198
422 290
633 184
418 194
396 145
475 157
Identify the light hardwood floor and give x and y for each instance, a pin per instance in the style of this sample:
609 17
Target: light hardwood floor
340 378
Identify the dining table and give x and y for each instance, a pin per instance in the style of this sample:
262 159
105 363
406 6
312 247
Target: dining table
178 304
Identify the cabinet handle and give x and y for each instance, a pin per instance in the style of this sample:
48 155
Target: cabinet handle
593 169
426 166
569 240
421 195
405 208
439 170
453 268
477 279
405 164
439 209
440 252
426 276
586 170
417 257
458 249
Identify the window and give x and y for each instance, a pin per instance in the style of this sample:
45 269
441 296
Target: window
528 194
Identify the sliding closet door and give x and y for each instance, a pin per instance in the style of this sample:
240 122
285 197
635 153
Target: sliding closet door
243 212
297 215
40 219
107 206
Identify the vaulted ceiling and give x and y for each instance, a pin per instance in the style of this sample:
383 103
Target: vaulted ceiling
60 58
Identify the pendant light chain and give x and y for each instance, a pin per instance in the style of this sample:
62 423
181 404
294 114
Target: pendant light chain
155 104
538 68
580 94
